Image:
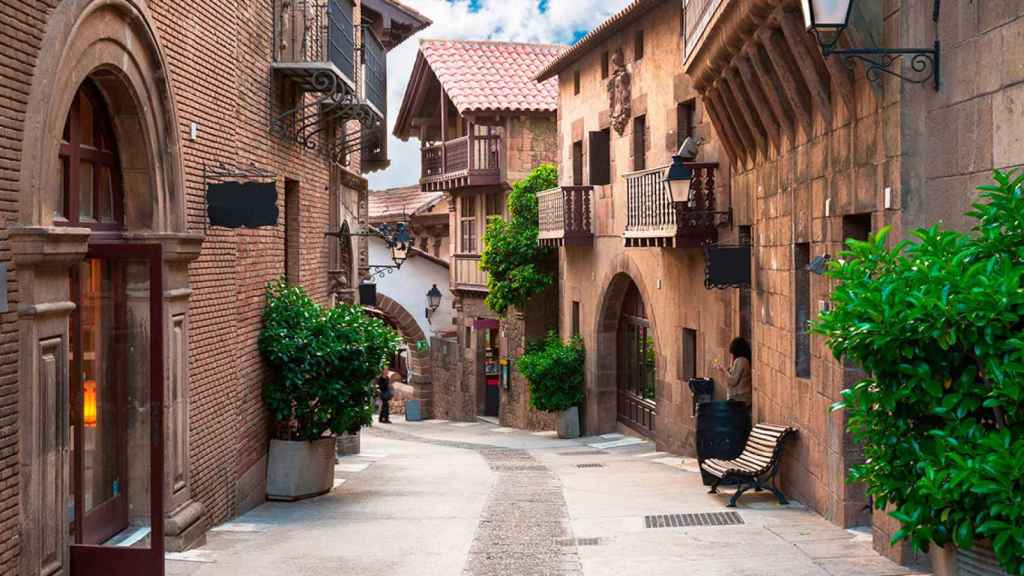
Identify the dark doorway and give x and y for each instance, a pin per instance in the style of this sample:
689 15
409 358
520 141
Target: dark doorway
637 383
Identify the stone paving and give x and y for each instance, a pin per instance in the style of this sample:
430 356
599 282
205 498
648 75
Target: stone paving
438 498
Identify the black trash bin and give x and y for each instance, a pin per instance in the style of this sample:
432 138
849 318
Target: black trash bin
703 390
722 430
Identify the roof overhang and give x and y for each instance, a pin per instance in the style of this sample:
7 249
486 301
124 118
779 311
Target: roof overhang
400 21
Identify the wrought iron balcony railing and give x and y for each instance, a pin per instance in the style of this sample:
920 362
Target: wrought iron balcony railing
315 51
473 160
653 219
565 216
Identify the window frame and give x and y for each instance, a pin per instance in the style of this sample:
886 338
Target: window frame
640 142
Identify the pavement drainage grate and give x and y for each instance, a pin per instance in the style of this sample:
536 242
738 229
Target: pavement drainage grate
582 453
590 465
578 541
687 520
521 468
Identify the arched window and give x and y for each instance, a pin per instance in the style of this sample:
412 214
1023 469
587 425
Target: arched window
90 193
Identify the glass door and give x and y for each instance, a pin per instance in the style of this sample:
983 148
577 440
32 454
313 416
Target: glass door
116 368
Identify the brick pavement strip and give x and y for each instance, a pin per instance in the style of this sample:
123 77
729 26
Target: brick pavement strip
524 528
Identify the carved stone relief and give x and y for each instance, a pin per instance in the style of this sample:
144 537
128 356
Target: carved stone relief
619 92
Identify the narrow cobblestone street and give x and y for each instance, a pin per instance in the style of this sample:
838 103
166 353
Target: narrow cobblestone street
439 498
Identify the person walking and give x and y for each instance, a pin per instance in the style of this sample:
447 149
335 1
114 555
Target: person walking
384 388
738 380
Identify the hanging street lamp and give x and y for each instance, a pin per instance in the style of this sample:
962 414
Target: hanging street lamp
433 300
827 19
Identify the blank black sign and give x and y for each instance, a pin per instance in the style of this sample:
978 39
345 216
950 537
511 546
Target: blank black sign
727 266
242 204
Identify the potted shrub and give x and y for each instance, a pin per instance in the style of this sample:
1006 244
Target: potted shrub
554 371
938 324
324 362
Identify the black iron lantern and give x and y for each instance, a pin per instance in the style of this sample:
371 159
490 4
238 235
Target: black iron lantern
827 19
397 237
679 176
433 300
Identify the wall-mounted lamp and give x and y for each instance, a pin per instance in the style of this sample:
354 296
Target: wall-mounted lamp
679 174
819 265
829 18
433 300
397 236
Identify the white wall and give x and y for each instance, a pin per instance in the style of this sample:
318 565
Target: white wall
409 286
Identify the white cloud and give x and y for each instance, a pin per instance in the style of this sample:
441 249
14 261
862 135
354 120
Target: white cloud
513 20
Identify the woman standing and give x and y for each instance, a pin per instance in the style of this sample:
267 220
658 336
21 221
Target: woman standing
384 387
739 387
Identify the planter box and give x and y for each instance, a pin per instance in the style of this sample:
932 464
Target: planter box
978 561
298 470
569 423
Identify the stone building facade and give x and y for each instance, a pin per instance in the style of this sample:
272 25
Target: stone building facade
117 115
810 152
475 144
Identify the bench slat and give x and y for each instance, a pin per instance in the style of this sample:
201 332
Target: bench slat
760 455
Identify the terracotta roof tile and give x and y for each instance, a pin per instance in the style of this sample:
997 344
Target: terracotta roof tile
394 202
484 75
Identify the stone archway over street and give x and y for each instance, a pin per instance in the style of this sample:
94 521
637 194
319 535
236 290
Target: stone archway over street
420 366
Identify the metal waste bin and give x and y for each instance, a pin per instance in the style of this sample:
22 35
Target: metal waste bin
722 430
703 391
412 410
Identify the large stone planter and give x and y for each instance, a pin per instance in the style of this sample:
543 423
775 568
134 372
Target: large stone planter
298 470
951 561
569 423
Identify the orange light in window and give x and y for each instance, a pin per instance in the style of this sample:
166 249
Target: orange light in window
89 403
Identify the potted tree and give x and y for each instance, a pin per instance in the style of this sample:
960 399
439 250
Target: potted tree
938 324
554 371
324 362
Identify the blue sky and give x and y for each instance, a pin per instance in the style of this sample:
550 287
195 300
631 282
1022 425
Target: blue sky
548 21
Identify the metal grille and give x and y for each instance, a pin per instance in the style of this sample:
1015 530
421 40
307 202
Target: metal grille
590 465
518 468
583 453
687 520
578 541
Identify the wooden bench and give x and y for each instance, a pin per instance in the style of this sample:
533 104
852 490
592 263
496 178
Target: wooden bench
756 466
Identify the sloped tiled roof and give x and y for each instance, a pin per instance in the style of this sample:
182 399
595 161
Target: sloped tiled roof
481 75
394 202
602 32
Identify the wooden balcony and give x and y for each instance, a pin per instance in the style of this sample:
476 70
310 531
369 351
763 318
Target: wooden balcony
465 162
697 16
466 273
565 216
654 220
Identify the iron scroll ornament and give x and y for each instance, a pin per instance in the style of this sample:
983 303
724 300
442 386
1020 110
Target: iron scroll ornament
923 61
396 236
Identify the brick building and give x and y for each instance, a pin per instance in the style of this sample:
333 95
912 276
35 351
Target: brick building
809 152
483 124
125 308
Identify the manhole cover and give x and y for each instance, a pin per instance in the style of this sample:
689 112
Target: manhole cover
590 465
579 541
687 520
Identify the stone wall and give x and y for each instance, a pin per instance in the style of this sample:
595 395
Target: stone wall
670 279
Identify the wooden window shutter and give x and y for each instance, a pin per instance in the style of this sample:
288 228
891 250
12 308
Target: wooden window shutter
600 158
577 163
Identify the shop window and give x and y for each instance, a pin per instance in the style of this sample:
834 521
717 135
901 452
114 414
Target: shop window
601 157
686 121
802 312
577 163
640 143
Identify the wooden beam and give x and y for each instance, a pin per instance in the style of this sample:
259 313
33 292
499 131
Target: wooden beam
755 103
722 103
722 131
774 47
766 100
815 78
746 115
842 75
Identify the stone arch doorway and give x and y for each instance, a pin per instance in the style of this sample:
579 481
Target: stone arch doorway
624 391
418 362
102 249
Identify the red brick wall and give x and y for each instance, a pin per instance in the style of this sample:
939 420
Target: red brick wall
219 64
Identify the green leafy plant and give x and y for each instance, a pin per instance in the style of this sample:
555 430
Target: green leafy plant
325 361
938 324
516 263
554 370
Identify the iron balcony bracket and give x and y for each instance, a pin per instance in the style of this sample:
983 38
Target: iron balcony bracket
877 61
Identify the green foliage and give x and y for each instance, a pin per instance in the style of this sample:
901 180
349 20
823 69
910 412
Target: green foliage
511 254
554 370
937 323
325 361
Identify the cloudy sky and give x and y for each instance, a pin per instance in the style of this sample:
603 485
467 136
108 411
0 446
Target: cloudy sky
550 21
